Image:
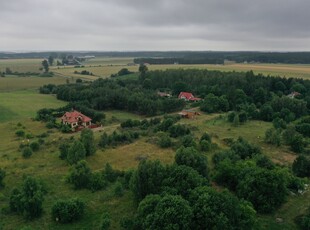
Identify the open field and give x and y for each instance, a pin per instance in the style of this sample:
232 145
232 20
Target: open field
105 66
21 65
12 83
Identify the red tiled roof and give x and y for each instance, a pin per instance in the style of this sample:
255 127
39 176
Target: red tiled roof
74 116
188 96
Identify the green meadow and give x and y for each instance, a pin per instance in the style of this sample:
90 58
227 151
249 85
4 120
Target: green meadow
19 101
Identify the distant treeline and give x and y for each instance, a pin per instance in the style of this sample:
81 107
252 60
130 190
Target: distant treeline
182 57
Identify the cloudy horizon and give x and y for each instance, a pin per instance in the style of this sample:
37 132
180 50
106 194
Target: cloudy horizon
162 25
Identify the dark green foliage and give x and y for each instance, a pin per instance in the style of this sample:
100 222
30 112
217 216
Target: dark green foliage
244 149
20 133
28 201
76 152
178 130
111 174
212 104
97 181
301 166
105 221
164 140
188 141
266 112
273 136
205 145
265 189
123 71
80 175
34 146
181 180
231 117
87 138
2 176
118 138
64 149
67 211
243 117
279 123
304 129
264 162
206 136
45 66
225 155
303 221
220 210
147 179
168 212
27 152
118 189
297 143
192 158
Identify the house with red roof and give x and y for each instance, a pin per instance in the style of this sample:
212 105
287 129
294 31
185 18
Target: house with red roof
76 119
188 96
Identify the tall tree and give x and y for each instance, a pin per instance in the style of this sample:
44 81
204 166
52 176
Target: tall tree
50 60
76 152
87 138
45 66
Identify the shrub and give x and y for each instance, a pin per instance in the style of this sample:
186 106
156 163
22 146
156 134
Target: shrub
164 141
27 152
97 181
34 146
20 133
80 175
118 189
68 211
106 221
29 200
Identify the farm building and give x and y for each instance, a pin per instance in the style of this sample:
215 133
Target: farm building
293 94
76 119
163 94
188 96
188 114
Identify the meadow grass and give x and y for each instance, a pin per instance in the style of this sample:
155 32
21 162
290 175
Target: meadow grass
12 83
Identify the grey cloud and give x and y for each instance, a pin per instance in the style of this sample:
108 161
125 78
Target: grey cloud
154 25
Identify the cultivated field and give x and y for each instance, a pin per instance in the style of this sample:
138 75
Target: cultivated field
104 67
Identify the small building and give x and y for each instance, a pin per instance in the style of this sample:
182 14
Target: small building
190 114
188 96
293 94
76 119
163 94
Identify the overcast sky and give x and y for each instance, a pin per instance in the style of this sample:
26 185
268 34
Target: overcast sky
129 25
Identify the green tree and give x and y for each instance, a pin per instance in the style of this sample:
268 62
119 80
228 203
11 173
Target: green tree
67 211
142 69
50 60
87 138
29 200
147 179
301 166
169 212
273 136
80 175
105 221
45 66
265 189
76 152
220 210
27 152
64 149
192 158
